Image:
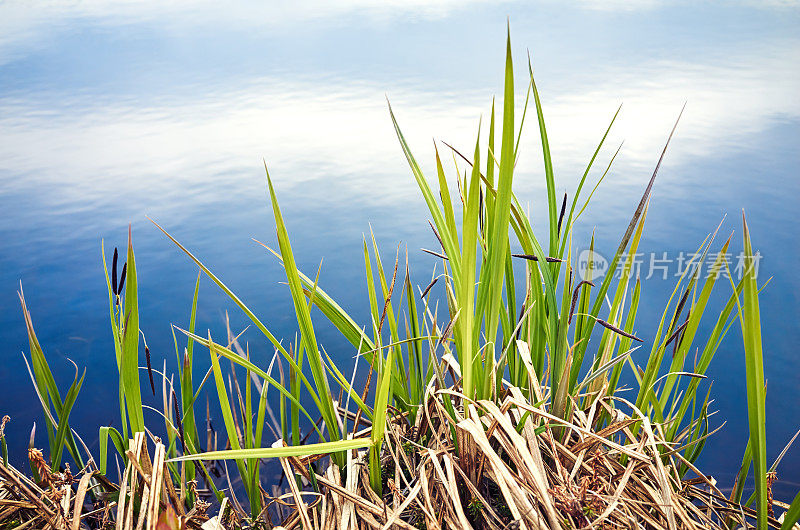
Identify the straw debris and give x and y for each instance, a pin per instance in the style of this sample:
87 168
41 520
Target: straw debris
89 500
517 467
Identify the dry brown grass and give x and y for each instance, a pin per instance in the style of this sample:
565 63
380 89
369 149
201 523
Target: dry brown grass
516 467
61 501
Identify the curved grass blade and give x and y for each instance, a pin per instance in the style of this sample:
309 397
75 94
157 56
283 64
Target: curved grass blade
280 452
275 342
552 206
792 514
245 363
307 335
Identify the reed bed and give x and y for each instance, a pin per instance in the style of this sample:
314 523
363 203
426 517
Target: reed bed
518 466
495 395
63 501
509 473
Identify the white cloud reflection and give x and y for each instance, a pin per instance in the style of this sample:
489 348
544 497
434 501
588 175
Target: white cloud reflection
309 129
26 26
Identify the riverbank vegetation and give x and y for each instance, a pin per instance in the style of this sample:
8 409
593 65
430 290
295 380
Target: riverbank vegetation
500 407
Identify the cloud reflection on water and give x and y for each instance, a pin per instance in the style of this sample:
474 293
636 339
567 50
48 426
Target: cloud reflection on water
311 128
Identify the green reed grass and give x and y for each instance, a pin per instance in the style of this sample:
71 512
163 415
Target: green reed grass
749 316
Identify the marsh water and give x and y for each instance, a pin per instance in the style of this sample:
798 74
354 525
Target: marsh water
111 113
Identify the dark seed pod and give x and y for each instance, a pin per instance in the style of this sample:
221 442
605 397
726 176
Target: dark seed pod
575 299
178 419
429 287
114 272
448 329
149 369
438 237
531 257
480 209
122 278
561 215
617 330
519 328
432 253
679 308
681 332
676 332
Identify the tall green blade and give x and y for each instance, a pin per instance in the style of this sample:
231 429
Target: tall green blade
552 205
468 324
130 345
490 290
750 318
307 335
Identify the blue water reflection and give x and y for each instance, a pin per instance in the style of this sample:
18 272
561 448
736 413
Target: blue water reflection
110 113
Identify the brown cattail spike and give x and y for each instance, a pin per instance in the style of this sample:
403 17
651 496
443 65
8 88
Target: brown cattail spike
122 278
561 215
438 237
432 253
429 287
679 308
519 328
617 330
480 209
676 332
149 369
681 331
178 419
531 257
114 271
575 299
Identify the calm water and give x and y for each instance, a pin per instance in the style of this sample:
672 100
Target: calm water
110 113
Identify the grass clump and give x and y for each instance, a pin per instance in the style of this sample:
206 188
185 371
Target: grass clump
474 415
